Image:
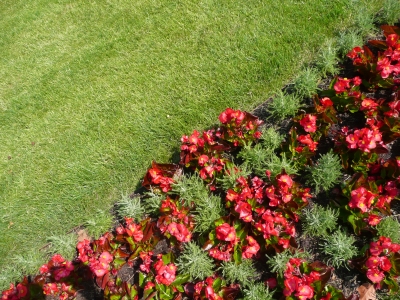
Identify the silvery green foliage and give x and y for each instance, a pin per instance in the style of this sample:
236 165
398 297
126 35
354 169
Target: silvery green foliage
348 40
327 58
257 291
339 247
152 202
325 173
206 212
284 105
319 221
390 228
244 273
191 189
277 263
130 207
390 12
305 85
232 173
195 262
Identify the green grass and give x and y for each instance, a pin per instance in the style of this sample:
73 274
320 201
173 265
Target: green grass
92 91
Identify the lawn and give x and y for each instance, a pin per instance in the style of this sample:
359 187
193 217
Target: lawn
92 91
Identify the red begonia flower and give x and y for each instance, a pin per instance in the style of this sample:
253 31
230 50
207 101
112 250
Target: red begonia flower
374 220
375 275
341 85
251 249
244 210
304 292
226 233
391 40
309 123
326 102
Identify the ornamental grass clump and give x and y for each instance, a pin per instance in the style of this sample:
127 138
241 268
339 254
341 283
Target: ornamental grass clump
319 221
206 212
195 262
325 173
284 105
191 189
339 247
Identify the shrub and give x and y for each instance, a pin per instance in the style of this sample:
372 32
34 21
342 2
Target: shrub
244 273
339 248
130 207
63 244
390 228
257 291
390 12
327 59
348 40
195 262
232 173
284 106
325 173
152 202
306 83
191 189
278 263
319 221
206 212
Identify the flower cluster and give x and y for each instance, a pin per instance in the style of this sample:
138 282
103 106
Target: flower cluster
379 262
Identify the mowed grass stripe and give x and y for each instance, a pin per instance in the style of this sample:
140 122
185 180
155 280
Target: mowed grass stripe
92 91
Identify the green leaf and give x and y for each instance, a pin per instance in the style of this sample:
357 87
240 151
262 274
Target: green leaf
180 279
166 258
237 254
217 284
142 277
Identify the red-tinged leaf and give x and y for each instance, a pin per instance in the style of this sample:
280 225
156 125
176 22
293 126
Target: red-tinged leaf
102 281
178 297
189 289
168 170
324 271
148 231
389 29
151 296
119 253
229 293
368 53
378 44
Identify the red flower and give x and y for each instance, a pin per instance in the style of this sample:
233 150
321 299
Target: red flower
375 275
385 67
326 102
220 254
202 160
165 273
357 80
368 104
244 210
374 220
354 52
308 141
304 292
22 290
391 40
341 85
309 123
50 289
284 182
226 233
179 231
133 230
251 249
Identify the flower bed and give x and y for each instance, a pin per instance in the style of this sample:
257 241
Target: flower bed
224 222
